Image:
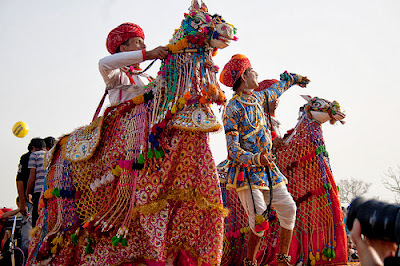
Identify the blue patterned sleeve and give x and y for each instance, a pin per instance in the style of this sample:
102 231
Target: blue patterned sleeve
236 153
279 87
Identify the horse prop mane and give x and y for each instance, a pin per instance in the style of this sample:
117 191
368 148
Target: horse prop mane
139 183
319 233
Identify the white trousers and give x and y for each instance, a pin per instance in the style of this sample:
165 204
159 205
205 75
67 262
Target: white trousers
282 202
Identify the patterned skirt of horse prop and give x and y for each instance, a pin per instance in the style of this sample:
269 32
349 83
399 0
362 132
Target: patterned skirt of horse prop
319 236
139 184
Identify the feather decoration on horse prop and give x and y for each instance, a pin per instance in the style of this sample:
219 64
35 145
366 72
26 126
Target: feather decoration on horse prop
139 184
319 234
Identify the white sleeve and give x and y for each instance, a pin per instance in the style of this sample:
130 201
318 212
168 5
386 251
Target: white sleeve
109 65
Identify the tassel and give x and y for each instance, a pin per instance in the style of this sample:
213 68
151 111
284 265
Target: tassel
155 144
173 109
60 240
203 99
240 176
116 171
214 53
157 154
41 204
63 193
187 95
115 241
162 124
149 154
148 96
329 253
48 194
87 225
54 250
259 219
141 159
56 192
273 135
137 166
152 137
180 106
124 242
258 228
221 96
89 249
241 173
138 99
182 101
74 239
78 194
265 225
168 116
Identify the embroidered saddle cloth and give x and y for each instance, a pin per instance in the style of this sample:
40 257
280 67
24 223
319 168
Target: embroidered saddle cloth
82 143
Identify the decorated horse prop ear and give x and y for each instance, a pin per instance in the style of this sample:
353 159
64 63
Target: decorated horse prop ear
195 5
204 7
306 97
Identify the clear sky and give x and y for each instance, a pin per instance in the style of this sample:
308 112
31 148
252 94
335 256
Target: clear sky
49 52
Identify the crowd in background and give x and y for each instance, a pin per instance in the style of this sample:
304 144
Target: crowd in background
16 225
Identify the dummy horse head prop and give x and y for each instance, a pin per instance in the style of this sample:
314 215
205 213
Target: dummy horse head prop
319 236
201 30
322 110
140 182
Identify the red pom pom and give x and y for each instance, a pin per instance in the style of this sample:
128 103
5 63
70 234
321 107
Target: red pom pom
78 194
258 228
87 225
273 135
240 176
168 116
265 225
162 124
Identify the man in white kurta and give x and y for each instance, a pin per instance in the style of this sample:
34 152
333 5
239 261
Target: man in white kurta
120 70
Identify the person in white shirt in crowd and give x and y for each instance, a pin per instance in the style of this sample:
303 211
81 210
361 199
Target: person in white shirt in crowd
36 175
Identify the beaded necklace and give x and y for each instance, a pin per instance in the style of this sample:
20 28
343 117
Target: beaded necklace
243 99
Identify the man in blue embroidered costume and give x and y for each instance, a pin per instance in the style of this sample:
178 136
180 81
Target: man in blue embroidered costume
249 146
119 70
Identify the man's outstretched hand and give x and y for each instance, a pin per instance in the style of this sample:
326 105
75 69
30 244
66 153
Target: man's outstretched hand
158 53
304 81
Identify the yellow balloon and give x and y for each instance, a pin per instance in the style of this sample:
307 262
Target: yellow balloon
20 129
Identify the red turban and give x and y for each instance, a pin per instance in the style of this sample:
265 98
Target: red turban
234 69
121 34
